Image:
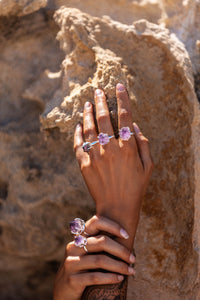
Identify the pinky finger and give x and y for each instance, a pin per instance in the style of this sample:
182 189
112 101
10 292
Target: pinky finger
144 149
98 278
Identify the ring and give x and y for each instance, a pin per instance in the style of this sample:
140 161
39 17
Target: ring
103 139
125 133
77 226
81 242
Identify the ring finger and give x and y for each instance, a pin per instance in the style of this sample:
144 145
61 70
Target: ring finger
88 262
102 243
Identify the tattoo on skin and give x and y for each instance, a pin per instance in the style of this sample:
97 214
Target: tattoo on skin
109 292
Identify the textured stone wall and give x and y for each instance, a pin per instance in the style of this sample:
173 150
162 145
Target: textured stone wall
51 61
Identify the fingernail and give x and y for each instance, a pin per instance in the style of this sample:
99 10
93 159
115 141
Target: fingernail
132 258
87 105
78 125
137 129
120 87
98 92
131 270
120 277
124 234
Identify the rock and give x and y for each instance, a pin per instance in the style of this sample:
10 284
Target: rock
157 71
41 188
20 7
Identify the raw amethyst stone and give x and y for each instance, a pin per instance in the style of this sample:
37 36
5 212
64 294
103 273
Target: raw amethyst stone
77 226
125 133
80 241
86 147
103 138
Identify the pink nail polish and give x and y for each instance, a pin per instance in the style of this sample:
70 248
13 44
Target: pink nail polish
87 105
124 234
98 92
120 87
131 270
132 258
137 129
120 277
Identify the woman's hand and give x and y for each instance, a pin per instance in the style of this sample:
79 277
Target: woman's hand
78 268
117 174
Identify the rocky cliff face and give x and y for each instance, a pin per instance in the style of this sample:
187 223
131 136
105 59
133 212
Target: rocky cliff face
52 57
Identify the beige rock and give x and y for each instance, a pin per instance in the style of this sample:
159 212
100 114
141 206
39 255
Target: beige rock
157 71
41 188
20 7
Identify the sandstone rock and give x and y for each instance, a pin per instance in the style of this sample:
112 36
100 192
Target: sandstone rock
20 7
41 188
157 71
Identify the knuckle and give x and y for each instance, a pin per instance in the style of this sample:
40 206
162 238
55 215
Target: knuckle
102 240
89 131
95 220
102 117
94 278
98 260
124 113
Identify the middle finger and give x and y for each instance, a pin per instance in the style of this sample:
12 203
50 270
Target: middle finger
102 113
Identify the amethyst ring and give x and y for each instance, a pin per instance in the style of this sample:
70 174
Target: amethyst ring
77 226
81 242
103 138
125 133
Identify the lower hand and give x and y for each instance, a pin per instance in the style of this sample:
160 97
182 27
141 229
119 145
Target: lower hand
74 276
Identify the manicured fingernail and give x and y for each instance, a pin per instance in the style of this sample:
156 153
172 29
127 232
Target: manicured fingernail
120 277
120 87
124 234
132 258
137 129
98 92
131 270
87 105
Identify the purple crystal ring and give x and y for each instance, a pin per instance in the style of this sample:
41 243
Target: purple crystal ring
103 139
77 226
81 242
125 133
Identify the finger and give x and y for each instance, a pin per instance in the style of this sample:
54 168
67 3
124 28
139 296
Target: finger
97 223
88 123
102 243
102 113
95 278
143 146
124 108
78 142
75 264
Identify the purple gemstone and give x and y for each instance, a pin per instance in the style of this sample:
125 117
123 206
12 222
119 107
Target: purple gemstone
77 226
125 133
80 241
86 147
103 138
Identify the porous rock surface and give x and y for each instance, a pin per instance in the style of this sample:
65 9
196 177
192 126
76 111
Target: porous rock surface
44 84
20 7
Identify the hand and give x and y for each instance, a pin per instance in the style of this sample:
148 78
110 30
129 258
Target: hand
117 174
73 276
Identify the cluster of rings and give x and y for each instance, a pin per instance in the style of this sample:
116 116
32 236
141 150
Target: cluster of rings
103 138
77 227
